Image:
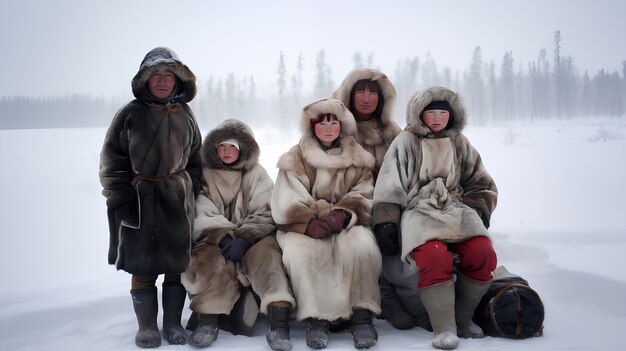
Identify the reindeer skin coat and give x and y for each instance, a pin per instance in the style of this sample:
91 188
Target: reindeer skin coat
333 275
234 201
434 186
150 163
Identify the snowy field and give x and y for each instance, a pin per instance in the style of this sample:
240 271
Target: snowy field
560 223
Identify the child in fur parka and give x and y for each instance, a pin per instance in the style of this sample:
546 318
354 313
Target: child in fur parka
435 189
321 204
232 215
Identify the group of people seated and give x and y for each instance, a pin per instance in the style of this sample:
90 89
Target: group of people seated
364 219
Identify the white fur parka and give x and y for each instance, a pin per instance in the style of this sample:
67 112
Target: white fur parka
330 276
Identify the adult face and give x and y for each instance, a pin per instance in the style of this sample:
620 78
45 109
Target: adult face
436 120
365 103
327 131
161 84
227 153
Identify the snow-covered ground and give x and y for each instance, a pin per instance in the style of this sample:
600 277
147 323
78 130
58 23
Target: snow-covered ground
560 223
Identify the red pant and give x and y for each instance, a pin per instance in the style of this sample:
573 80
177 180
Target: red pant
477 260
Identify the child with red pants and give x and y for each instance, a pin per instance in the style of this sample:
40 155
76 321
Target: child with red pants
433 200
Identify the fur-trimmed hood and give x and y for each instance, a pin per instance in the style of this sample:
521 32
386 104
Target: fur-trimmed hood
387 89
249 150
162 58
420 99
350 153
376 134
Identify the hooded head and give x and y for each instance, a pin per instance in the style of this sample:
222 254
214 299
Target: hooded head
379 81
438 98
236 133
312 112
164 59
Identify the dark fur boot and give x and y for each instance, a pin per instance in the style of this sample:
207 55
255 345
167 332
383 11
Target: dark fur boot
362 328
174 295
146 308
278 333
206 331
317 334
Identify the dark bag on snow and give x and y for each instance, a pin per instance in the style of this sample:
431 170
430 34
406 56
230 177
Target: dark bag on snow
510 308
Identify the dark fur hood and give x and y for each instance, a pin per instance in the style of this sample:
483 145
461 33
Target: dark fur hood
249 150
420 99
162 58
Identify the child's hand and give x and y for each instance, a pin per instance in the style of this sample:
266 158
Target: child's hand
387 238
234 249
317 229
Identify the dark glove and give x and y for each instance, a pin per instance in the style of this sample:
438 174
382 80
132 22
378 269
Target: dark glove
387 238
335 219
234 248
317 229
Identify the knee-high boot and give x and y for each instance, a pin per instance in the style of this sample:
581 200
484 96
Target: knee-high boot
146 308
439 302
468 295
174 295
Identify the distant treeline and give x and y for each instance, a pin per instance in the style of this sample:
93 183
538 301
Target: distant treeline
492 92
71 111
548 87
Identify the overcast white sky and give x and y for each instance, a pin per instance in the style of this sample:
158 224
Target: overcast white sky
95 47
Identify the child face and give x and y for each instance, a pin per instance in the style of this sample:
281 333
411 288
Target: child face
161 84
436 120
227 153
327 131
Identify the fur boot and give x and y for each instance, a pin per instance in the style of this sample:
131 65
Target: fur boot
317 334
468 295
206 332
439 302
278 333
362 329
146 307
174 295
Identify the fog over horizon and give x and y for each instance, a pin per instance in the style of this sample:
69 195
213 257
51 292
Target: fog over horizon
94 48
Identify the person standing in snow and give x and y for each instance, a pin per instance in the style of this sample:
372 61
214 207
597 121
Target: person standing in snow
434 188
150 170
371 97
321 204
232 240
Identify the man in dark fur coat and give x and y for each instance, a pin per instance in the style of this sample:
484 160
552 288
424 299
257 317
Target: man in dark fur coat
150 170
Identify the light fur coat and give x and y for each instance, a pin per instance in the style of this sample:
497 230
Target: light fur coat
333 275
234 201
434 186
